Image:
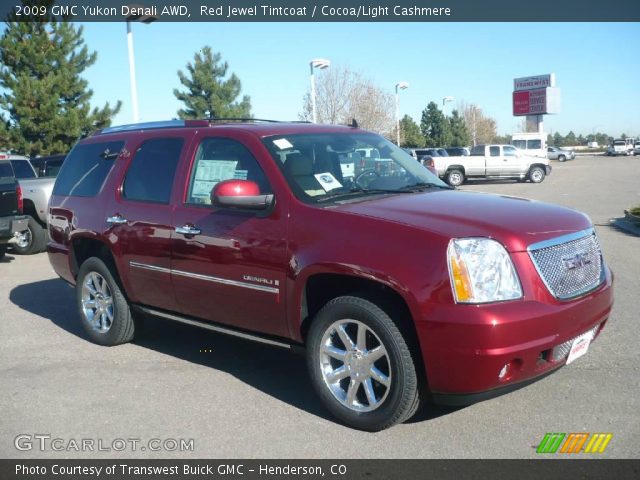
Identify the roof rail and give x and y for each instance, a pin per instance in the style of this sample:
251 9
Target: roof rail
153 125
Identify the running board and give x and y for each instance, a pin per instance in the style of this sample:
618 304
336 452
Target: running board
216 328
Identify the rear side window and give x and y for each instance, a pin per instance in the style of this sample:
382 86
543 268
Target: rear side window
534 144
22 169
151 173
477 151
5 170
86 168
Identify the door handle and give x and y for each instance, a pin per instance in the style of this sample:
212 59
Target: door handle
116 219
188 230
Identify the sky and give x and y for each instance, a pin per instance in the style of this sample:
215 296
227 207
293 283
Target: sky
597 66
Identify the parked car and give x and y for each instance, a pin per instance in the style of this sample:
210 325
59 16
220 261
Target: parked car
36 193
397 286
621 146
21 165
418 153
492 161
428 162
48 166
637 148
12 222
458 151
560 154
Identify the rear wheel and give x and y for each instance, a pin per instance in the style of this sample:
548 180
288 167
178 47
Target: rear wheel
361 366
104 311
32 240
455 178
536 174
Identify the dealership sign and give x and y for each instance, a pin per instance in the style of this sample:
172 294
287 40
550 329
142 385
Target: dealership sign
534 82
539 101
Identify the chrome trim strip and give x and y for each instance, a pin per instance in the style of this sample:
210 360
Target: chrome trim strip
149 267
207 278
561 239
224 281
215 328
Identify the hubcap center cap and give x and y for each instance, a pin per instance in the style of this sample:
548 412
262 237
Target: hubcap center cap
357 364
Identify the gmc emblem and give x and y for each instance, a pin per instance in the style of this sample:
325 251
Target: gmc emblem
580 259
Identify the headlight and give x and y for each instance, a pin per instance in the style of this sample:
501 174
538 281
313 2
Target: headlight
481 271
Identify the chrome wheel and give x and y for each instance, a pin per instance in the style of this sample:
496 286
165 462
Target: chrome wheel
355 365
97 302
23 239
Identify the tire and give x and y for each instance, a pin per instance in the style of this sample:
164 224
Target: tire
33 240
537 174
383 405
455 178
562 158
96 283
3 251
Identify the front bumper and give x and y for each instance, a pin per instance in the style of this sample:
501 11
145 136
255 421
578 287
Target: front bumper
11 226
465 347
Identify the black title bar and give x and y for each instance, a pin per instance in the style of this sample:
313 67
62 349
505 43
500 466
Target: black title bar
326 11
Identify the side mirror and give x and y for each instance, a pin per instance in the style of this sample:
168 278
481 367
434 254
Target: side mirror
240 194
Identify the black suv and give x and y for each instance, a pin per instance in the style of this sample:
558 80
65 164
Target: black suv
11 220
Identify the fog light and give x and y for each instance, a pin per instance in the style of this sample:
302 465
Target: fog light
503 372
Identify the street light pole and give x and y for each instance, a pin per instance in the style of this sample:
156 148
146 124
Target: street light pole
320 63
132 75
446 100
399 86
132 67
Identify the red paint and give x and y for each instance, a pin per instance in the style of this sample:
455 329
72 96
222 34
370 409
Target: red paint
236 188
399 241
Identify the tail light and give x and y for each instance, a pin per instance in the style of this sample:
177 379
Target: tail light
19 197
429 163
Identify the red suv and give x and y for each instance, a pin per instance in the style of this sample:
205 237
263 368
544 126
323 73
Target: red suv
398 286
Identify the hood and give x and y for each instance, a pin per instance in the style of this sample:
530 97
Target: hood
515 222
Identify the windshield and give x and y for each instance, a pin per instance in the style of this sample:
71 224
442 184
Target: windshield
312 165
619 142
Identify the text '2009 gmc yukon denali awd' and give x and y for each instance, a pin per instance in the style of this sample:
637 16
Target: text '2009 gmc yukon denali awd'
398 287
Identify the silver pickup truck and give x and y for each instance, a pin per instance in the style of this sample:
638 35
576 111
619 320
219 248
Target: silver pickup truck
492 161
36 192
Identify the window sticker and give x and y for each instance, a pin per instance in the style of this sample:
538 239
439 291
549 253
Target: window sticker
240 174
327 181
282 143
209 173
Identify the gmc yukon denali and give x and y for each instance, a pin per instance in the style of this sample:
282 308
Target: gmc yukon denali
397 287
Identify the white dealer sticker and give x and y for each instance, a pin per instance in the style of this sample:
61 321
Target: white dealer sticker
327 181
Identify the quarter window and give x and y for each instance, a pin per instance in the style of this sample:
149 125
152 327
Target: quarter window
219 159
151 173
494 151
86 168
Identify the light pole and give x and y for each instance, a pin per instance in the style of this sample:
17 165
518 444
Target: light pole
132 68
320 63
399 86
474 125
446 100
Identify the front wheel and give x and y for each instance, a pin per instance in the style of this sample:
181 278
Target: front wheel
103 309
562 158
360 365
536 174
3 251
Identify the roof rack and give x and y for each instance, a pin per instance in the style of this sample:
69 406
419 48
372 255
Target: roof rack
183 123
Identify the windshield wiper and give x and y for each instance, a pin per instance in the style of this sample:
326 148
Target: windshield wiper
360 191
423 185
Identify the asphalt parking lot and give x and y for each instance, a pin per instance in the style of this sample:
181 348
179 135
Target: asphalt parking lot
238 399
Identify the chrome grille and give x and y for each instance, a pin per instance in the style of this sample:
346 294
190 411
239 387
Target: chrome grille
570 265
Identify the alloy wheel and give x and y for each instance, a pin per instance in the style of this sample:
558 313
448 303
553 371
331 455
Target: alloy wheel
97 302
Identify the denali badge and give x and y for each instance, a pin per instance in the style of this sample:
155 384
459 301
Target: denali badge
580 259
265 281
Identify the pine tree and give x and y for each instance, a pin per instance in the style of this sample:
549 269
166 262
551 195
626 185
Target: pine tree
45 99
435 127
410 135
460 135
208 94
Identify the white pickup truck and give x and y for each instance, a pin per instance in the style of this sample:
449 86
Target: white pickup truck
492 161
